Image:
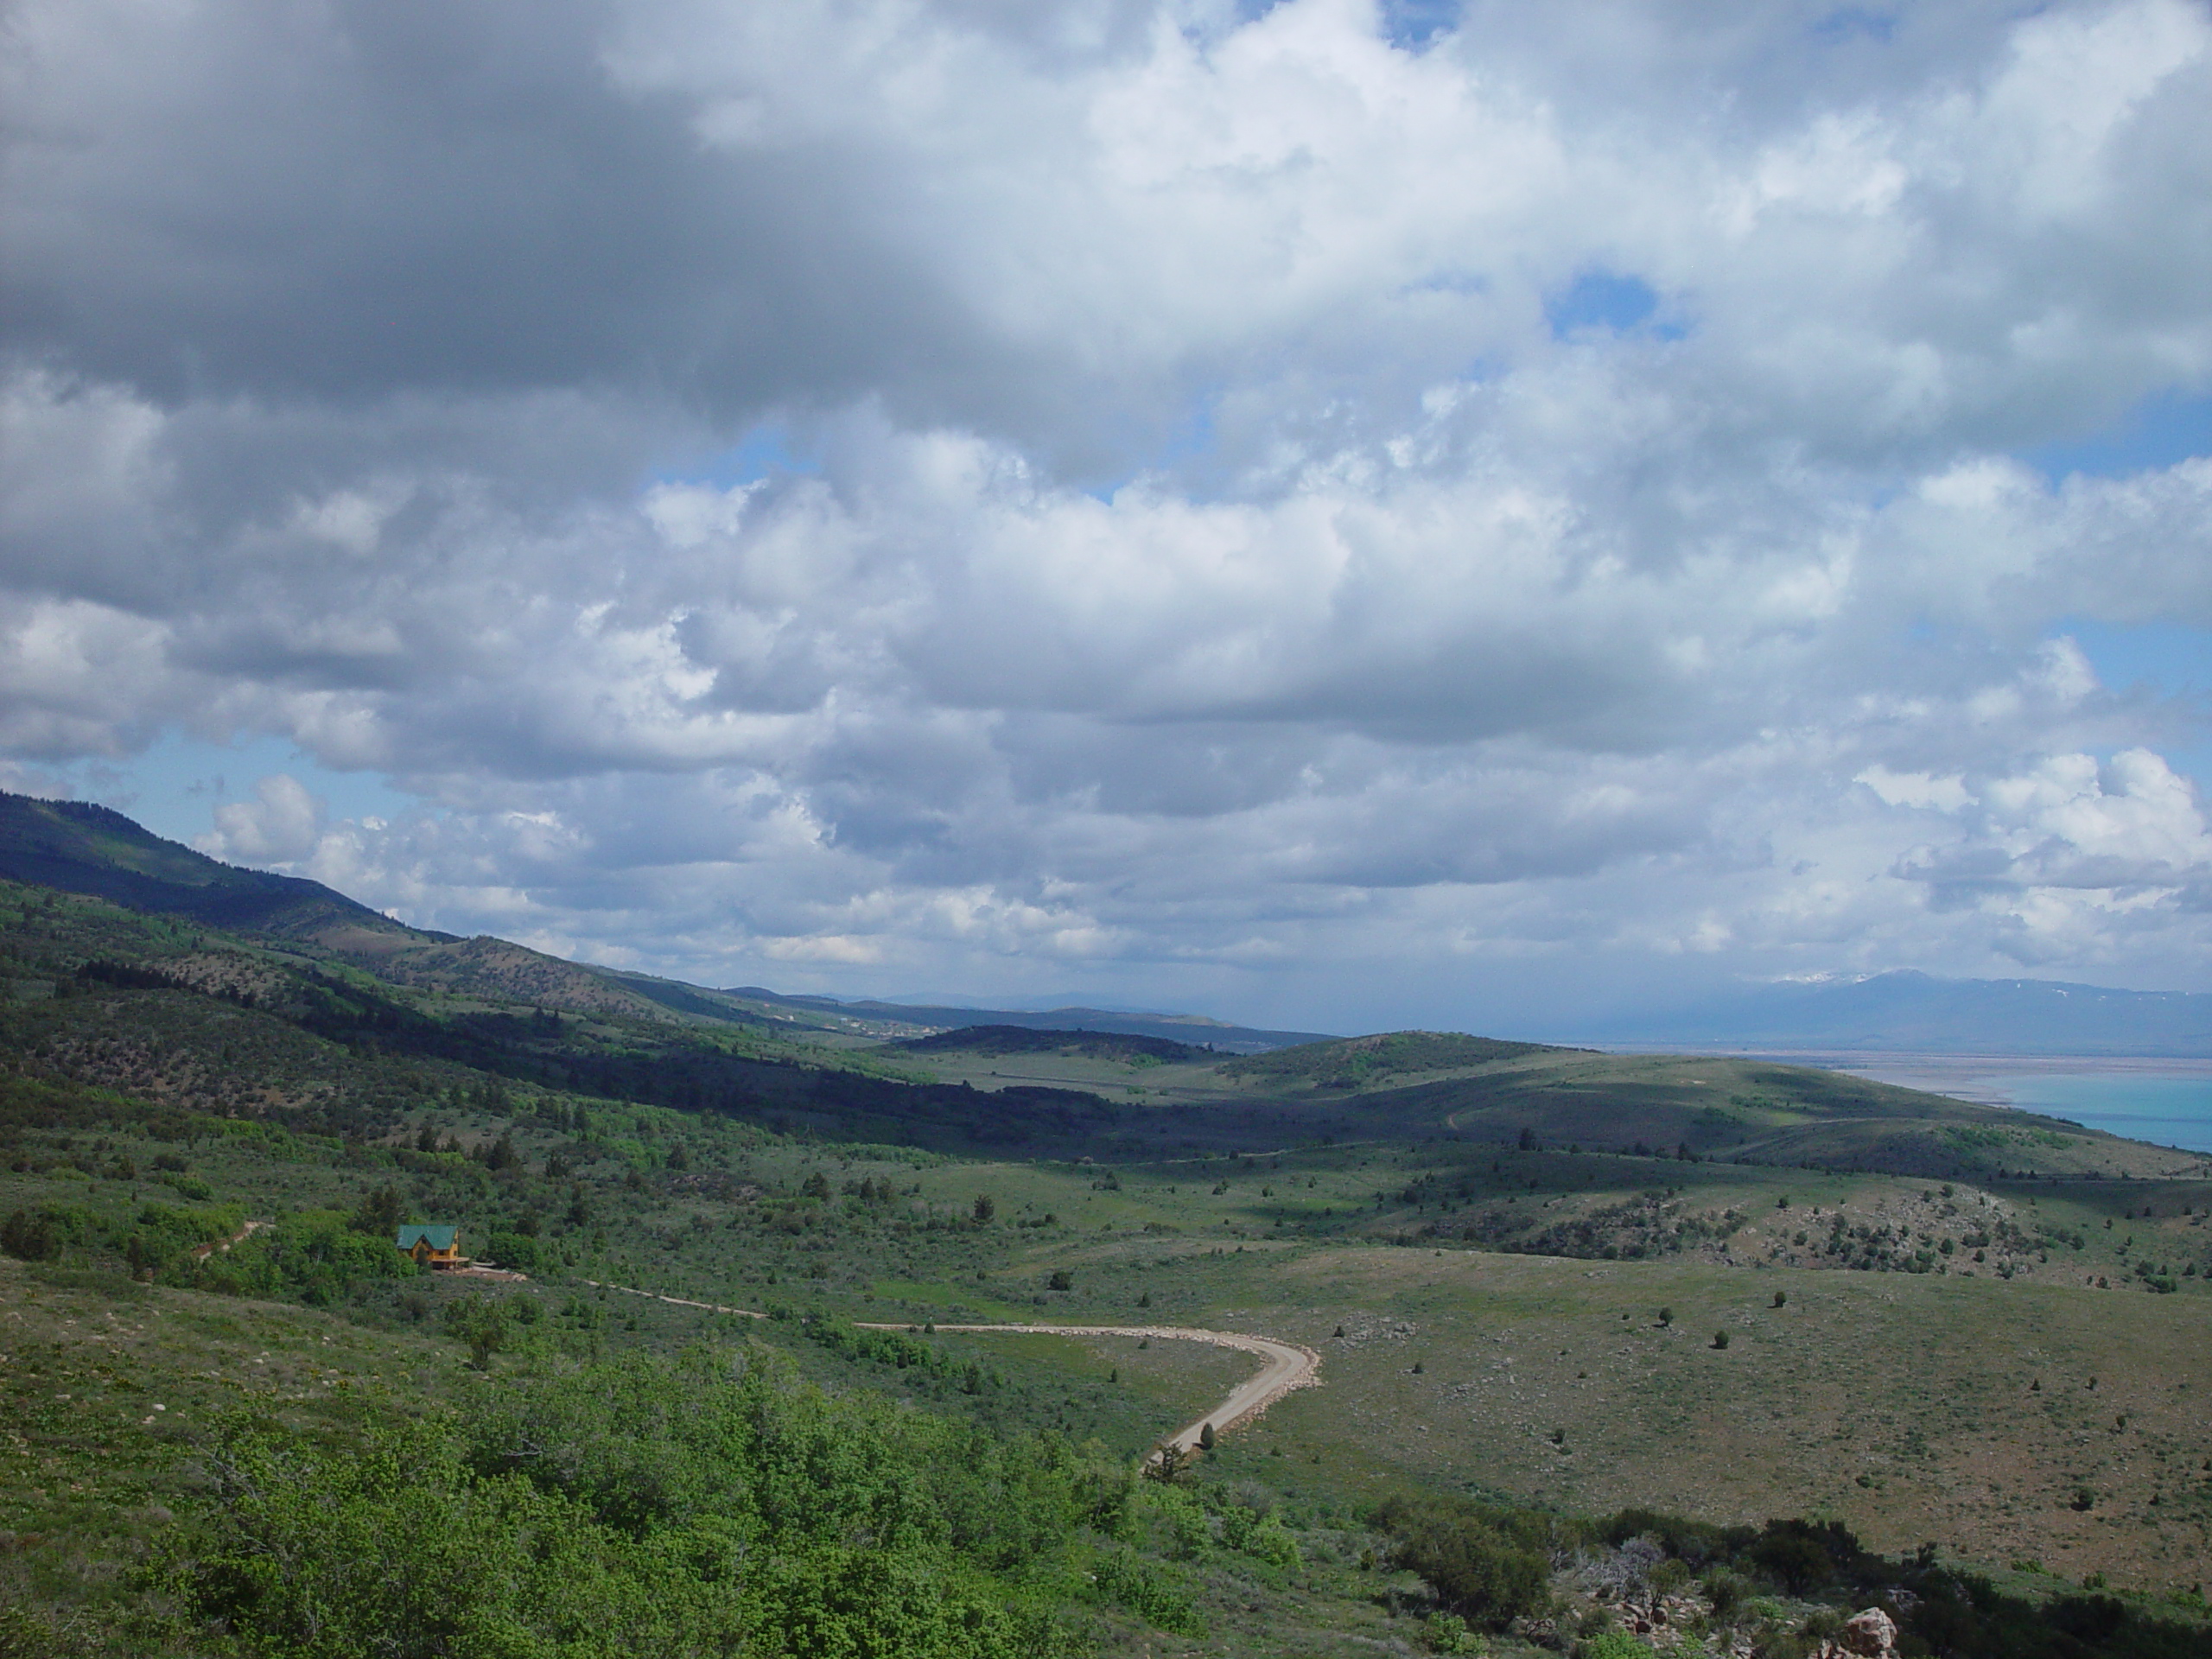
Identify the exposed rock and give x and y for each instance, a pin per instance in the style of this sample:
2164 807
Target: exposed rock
1871 1634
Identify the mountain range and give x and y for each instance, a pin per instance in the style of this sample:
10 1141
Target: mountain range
1906 1012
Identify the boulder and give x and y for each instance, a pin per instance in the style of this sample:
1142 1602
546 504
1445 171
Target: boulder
1870 1634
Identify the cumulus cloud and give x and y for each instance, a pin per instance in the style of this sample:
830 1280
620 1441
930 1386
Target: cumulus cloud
1188 500
282 824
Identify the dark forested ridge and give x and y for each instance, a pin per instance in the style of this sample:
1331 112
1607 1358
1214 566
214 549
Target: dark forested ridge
77 846
1027 1039
1214 1035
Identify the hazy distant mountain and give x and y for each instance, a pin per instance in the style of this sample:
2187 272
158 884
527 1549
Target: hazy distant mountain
1914 1013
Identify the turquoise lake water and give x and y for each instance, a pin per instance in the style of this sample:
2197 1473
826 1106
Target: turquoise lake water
2169 1111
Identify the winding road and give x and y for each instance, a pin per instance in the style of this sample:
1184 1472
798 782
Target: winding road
1284 1367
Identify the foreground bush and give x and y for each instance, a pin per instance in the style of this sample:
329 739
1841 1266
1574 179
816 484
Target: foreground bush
646 1507
1475 1565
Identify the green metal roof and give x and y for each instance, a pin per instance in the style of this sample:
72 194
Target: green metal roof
437 1237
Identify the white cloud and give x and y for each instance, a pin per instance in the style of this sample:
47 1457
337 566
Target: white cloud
1915 789
282 824
1204 562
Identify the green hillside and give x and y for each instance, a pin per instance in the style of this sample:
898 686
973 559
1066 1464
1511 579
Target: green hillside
356 1000
1354 1063
282 1438
74 846
78 848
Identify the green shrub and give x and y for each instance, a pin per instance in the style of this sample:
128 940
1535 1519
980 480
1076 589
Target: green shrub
654 1507
31 1235
1262 1536
1124 1579
1448 1633
315 1257
512 1250
1475 1569
1727 1591
163 1236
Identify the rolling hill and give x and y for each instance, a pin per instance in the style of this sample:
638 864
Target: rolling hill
134 984
77 846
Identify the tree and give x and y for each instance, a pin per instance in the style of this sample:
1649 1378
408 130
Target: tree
1165 1464
1205 1436
381 1209
1781 1299
1721 1339
1062 1279
984 1209
1476 1570
30 1237
480 1323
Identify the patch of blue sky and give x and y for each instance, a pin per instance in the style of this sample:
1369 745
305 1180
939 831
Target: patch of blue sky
2166 659
1853 24
1411 24
174 785
2161 431
766 451
1610 300
1414 24
1189 440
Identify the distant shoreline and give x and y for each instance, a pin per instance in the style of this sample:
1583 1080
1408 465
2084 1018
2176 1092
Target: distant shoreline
1902 1065
2163 1099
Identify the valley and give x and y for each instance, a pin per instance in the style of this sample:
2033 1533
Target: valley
1546 1285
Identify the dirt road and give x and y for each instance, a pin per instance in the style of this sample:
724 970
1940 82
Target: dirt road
680 1302
1284 1366
201 1252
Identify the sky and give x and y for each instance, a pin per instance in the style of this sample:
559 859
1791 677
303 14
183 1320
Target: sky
1334 515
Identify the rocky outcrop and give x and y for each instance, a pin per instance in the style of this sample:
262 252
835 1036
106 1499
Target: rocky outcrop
1871 1634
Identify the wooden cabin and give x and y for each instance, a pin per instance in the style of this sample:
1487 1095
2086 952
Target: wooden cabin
432 1246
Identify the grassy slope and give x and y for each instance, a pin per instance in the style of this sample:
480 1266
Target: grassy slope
1482 1091
1912 1380
1919 1383
312 1034
1915 1382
